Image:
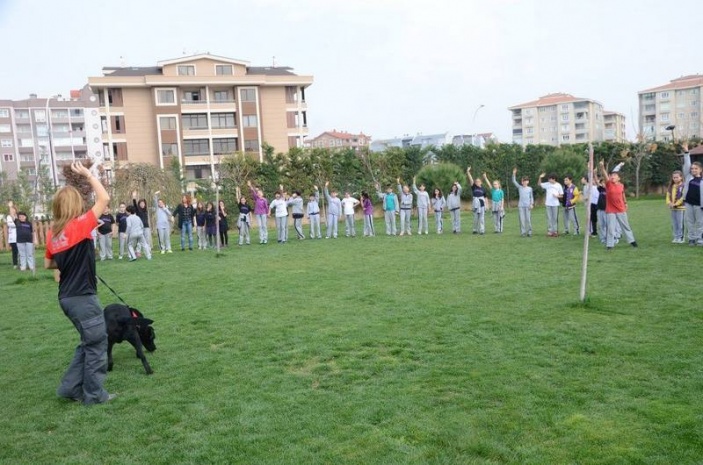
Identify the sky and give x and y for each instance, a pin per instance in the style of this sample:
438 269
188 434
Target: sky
384 67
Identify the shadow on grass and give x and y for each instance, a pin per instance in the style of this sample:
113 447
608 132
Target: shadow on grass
31 279
596 305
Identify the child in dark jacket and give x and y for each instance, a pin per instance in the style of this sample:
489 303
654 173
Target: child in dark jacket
25 242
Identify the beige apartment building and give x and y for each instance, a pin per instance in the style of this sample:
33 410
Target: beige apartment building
339 139
677 104
197 109
558 118
615 129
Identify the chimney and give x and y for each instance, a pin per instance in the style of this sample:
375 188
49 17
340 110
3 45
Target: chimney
32 95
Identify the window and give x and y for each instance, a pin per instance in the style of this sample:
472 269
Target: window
186 70
5 128
692 91
22 114
6 143
4 113
223 146
251 145
169 150
26 142
665 116
195 121
192 96
565 127
221 96
694 114
565 107
40 116
165 96
118 124
565 137
223 120
60 128
30 171
8 157
247 95
76 112
249 121
694 103
565 117
196 147
527 131
223 70
56 114
664 95
167 122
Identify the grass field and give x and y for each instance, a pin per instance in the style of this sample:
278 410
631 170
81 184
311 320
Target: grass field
424 349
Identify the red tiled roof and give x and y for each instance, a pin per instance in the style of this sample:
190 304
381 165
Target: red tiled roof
697 150
342 135
550 99
684 82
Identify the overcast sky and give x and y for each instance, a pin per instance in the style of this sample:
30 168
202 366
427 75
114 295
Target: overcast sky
384 67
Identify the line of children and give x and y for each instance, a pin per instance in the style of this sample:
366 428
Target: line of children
163 224
674 200
349 203
314 213
497 204
526 203
570 198
423 206
552 201
244 220
25 242
438 205
391 207
406 208
105 223
478 203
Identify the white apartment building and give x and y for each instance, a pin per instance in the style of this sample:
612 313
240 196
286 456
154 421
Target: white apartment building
674 109
48 131
558 118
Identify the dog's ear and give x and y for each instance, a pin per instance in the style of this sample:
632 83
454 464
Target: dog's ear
143 321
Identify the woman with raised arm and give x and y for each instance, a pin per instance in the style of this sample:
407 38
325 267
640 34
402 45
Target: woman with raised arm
69 248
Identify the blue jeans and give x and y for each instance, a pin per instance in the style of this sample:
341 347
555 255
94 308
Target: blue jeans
187 228
85 375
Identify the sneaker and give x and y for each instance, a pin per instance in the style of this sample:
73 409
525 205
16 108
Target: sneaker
169 251
409 233
120 257
163 252
609 249
634 244
675 241
692 243
132 259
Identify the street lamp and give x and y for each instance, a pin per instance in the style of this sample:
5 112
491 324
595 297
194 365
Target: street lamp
473 121
671 128
52 166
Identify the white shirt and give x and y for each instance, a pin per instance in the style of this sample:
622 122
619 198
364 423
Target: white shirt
553 192
281 207
348 204
11 230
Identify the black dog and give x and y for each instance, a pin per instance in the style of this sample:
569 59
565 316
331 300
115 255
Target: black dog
128 324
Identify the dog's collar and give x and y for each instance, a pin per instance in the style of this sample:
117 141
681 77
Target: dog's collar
134 314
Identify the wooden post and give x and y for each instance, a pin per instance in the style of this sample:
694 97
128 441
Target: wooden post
587 236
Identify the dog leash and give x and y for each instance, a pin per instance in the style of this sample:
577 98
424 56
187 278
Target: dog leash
111 289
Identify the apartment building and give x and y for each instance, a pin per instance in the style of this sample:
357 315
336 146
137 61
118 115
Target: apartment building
48 132
339 139
197 109
556 119
676 104
615 129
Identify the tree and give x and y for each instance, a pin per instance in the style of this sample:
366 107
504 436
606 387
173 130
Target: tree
639 151
440 176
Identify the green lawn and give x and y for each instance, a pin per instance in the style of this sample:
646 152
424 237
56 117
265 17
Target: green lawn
424 349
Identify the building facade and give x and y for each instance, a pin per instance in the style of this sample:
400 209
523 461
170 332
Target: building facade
556 119
677 104
339 139
48 133
196 109
615 128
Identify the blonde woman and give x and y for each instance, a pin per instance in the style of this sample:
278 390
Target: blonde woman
70 249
